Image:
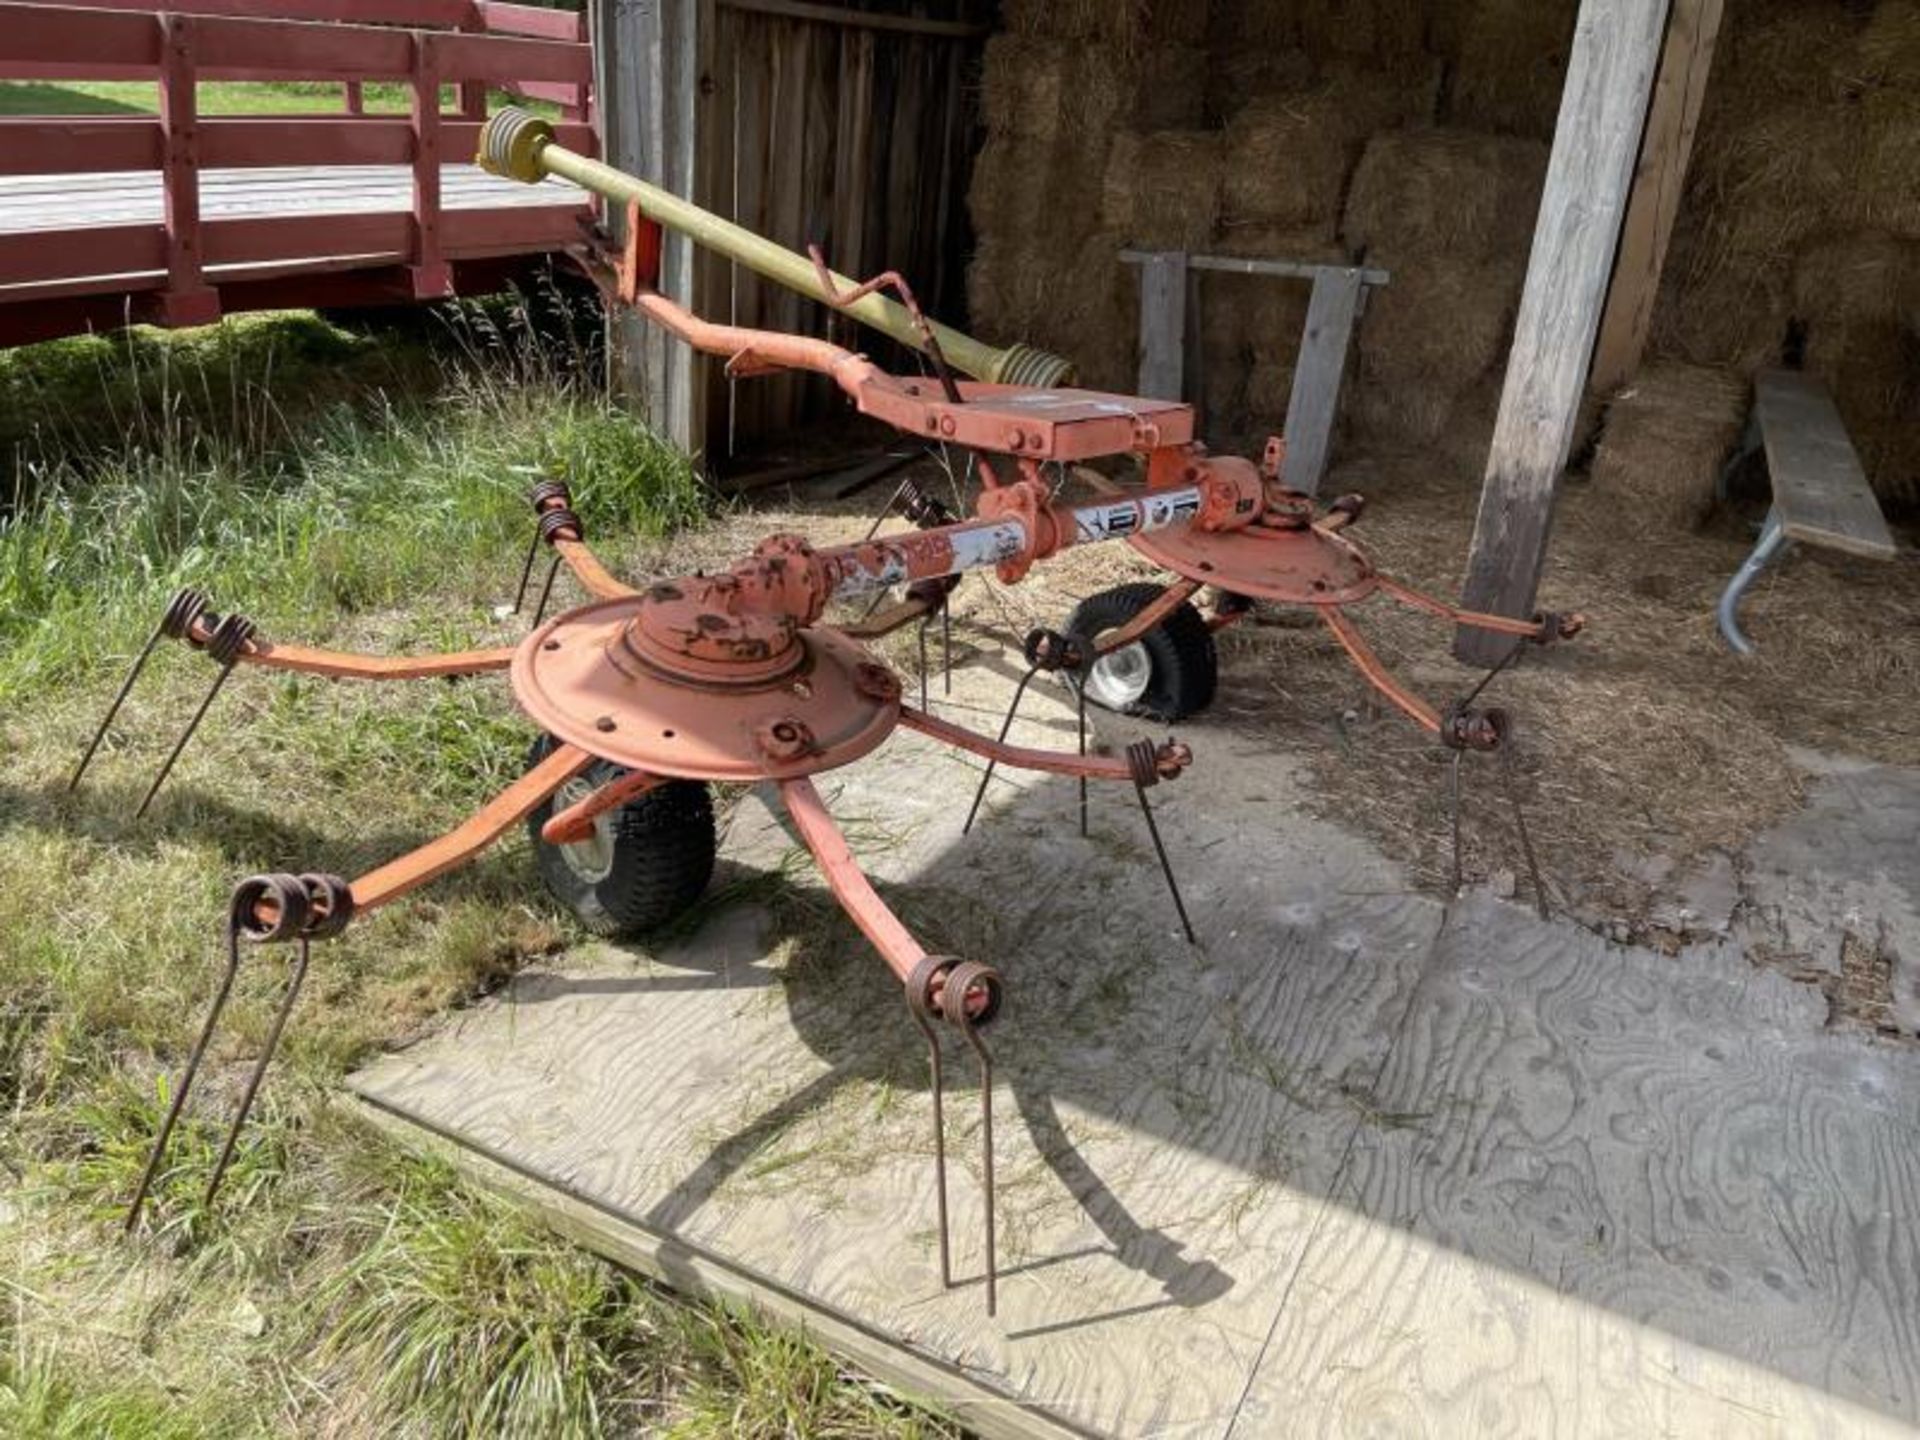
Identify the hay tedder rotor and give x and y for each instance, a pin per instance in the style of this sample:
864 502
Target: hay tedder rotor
647 695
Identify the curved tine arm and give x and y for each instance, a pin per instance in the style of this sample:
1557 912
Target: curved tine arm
1051 762
1478 620
1163 605
848 882
1377 675
469 838
342 665
346 665
588 570
575 823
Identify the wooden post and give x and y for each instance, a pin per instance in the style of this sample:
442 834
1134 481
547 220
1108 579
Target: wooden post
1616 49
1163 325
1657 185
647 77
188 299
431 277
1315 402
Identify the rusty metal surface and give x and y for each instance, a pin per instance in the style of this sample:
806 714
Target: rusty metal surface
581 679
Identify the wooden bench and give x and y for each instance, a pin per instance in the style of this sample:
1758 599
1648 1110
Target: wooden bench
1820 493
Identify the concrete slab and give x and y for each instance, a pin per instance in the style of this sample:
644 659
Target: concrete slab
1358 1159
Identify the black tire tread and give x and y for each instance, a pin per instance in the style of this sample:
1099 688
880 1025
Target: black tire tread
1186 662
664 845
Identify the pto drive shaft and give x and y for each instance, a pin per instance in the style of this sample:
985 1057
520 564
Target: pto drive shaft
522 146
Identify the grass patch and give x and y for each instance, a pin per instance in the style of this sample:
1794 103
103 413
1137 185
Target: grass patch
226 97
364 491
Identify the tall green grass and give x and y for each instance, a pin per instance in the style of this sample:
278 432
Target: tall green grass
365 489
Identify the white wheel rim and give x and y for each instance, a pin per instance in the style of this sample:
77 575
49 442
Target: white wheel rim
592 858
1119 679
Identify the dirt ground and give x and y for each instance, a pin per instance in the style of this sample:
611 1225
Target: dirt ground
1646 752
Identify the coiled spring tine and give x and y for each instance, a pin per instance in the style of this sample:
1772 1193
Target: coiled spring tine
157 1156
526 573
938 1083
921 636
1006 726
186 606
985 1058
225 645
546 592
1526 838
1141 759
295 979
1453 819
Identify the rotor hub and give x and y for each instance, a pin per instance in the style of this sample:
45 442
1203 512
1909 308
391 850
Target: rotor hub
1281 558
674 683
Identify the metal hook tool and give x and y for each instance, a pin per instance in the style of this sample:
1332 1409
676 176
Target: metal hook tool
228 642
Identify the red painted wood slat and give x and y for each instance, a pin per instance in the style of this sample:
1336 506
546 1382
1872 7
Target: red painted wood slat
490 57
260 239
70 147
31 36
352 12
69 254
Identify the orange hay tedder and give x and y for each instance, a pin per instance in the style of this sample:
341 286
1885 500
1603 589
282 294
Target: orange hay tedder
646 695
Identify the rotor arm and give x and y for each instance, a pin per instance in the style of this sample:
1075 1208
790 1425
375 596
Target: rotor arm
1168 759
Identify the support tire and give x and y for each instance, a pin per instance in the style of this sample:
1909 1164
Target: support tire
648 862
1171 672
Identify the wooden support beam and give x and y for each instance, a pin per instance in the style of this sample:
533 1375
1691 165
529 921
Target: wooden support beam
647 60
1163 325
1658 182
1616 50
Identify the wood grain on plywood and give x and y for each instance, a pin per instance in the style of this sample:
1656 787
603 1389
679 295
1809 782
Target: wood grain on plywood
1629 1195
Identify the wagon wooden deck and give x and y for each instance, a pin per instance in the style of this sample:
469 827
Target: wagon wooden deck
1361 1162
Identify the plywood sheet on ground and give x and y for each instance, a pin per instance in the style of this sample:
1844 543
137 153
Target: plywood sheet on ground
1357 1157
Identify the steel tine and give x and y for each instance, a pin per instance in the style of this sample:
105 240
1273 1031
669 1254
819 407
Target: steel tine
1080 697
1006 726
180 745
157 1156
886 509
939 1144
295 979
921 635
126 689
526 573
1166 866
1526 839
546 591
946 648
986 1145
1453 818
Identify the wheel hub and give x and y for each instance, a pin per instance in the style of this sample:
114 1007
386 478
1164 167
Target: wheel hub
1120 678
592 858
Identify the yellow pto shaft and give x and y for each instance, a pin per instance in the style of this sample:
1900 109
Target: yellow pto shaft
522 146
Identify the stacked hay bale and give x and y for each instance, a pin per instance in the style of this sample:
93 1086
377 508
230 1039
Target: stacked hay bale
1800 230
1664 440
1449 213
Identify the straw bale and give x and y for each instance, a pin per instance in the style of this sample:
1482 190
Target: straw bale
1887 189
1786 50
1511 65
1038 193
1440 322
1273 25
1163 188
1890 45
1422 192
1288 157
1664 440
1169 89
1381 413
1378 30
1713 313
1128 25
1053 90
1243 72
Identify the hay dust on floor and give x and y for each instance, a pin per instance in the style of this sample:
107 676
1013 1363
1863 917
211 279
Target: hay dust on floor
1641 744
